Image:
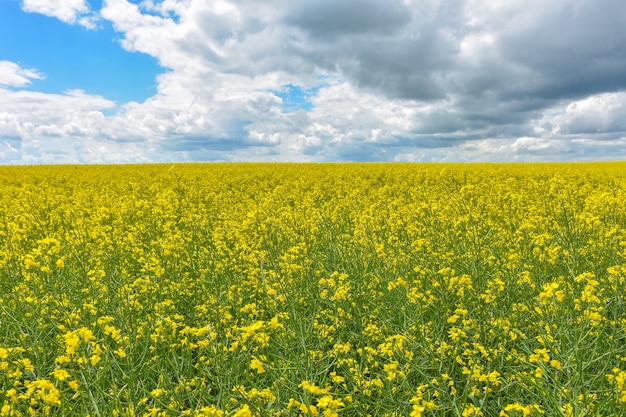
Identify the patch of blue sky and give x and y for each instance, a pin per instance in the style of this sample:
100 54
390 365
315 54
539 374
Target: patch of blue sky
147 10
296 98
95 4
72 57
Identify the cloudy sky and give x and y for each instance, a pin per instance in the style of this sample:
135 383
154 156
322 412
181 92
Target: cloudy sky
99 81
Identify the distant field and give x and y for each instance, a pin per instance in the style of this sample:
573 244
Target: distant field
330 290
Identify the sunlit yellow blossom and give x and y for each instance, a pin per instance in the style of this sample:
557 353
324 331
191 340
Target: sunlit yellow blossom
257 365
472 410
60 374
243 411
120 352
525 410
43 390
157 392
72 342
313 289
313 389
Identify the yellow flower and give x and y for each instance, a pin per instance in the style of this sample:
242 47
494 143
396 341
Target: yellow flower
243 411
526 410
43 390
63 359
472 410
29 263
257 365
86 334
392 372
60 374
312 388
71 342
157 392
120 352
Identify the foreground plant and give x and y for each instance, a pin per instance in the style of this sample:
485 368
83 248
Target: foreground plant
237 290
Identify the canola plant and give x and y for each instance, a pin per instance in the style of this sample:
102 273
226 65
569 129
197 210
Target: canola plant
313 290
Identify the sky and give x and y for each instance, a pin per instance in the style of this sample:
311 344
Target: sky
118 81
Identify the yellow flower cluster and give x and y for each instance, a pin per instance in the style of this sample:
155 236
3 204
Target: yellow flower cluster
313 289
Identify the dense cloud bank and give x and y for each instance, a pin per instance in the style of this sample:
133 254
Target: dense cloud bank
393 80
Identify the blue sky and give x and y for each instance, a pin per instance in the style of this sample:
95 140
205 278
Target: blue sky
326 80
73 57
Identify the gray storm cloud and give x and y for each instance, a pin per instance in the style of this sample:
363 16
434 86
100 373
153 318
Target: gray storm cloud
394 80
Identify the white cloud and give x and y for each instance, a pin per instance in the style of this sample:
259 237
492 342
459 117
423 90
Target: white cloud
226 58
68 11
600 113
530 144
147 33
44 127
414 80
12 75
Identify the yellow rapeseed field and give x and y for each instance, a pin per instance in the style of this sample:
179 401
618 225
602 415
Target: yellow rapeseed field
313 289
